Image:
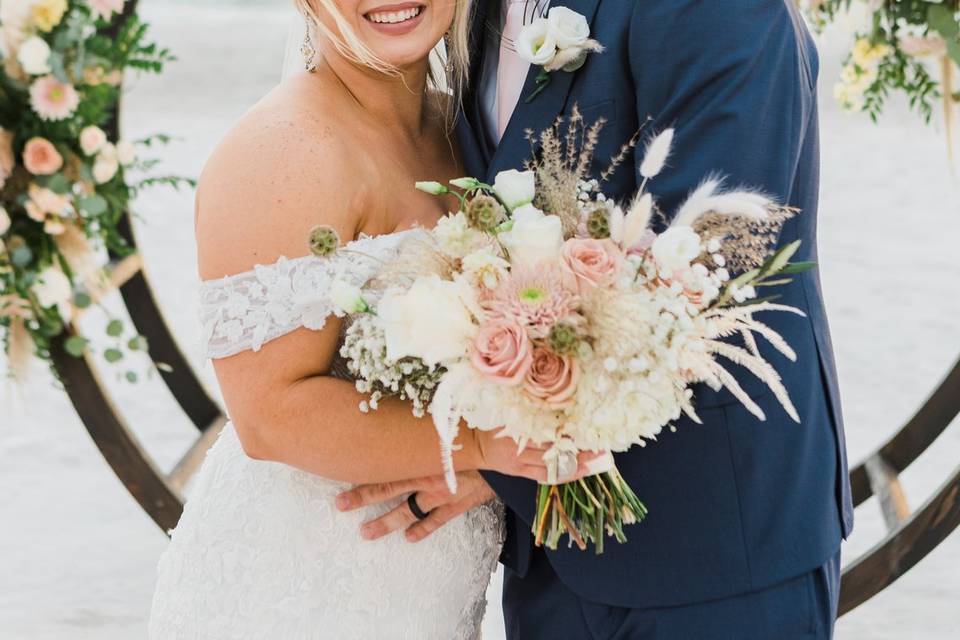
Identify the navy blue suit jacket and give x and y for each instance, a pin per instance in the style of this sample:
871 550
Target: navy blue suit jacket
735 504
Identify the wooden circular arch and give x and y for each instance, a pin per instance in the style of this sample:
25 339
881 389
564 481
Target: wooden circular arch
911 536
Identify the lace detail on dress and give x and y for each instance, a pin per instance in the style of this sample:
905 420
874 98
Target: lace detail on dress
247 310
261 551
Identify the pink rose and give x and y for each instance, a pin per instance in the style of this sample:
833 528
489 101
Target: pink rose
502 352
594 263
552 378
41 158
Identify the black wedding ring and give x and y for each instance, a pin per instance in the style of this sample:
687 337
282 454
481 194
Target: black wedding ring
415 509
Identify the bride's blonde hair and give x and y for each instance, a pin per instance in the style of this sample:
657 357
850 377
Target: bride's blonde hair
456 64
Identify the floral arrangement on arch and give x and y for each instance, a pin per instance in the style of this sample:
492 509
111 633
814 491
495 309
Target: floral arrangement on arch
64 185
893 52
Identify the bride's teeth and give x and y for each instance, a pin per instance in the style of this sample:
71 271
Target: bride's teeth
393 17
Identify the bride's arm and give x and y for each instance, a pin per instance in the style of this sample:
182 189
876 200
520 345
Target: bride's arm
265 187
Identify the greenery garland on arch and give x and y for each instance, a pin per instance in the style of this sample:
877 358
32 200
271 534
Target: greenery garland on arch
64 186
905 46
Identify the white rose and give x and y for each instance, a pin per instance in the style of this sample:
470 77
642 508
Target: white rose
53 288
535 238
430 321
535 44
515 188
92 140
34 56
4 221
105 167
676 247
347 298
568 28
126 152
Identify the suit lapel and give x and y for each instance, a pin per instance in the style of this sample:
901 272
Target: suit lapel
540 113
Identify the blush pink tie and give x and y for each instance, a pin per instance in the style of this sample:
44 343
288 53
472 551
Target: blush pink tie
512 69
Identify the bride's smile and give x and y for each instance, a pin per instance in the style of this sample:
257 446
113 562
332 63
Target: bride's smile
396 19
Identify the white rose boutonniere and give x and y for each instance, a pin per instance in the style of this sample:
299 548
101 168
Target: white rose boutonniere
558 42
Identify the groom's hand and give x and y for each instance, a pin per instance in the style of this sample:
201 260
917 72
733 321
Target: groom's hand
433 498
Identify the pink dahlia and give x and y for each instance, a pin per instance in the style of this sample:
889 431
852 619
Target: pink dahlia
52 99
536 299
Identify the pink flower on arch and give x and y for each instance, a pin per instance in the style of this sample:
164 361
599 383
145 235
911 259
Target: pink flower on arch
105 9
52 99
41 158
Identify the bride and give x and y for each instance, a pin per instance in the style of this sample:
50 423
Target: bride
261 550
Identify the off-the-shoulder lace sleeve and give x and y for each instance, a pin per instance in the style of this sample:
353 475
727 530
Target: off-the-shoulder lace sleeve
247 310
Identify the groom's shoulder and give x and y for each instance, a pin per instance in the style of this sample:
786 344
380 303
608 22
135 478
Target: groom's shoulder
714 20
682 31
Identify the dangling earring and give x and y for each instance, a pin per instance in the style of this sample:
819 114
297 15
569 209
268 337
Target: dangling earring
448 65
308 51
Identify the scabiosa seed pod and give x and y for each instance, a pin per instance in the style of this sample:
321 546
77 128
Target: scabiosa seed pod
484 213
324 240
598 223
564 339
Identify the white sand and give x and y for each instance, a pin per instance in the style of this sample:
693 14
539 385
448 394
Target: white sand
78 555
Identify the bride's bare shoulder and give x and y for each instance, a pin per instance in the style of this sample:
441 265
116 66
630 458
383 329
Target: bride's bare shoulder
283 168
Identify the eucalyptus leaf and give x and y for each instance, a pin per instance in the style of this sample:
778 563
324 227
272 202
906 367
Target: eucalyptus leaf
114 328
76 345
131 377
58 183
21 256
93 205
82 300
113 355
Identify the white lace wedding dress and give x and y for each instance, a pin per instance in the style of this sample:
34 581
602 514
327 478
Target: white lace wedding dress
262 553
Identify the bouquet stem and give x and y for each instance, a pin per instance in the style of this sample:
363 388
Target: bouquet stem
587 511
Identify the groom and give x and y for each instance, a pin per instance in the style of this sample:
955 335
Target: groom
746 517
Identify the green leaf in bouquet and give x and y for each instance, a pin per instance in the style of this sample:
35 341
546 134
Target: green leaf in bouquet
114 328
796 267
773 283
76 345
780 259
113 355
93 205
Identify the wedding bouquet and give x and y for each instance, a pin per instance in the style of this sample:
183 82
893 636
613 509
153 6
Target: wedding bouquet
549 311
